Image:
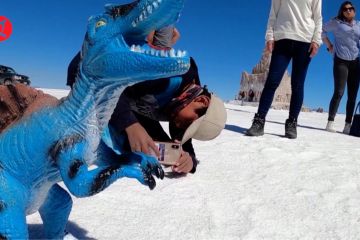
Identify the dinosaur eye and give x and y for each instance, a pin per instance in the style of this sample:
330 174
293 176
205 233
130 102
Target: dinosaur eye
100 23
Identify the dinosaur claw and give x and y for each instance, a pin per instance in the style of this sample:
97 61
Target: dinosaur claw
161 173
157 172
148 165
151 182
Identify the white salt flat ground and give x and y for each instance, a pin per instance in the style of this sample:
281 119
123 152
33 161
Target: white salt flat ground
249 188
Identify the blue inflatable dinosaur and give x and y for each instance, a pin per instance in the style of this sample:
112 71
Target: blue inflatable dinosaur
64 143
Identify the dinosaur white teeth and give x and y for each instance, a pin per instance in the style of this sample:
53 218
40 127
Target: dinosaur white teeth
146 11
172 53
149 9
162 53
155 4
180 53
158 53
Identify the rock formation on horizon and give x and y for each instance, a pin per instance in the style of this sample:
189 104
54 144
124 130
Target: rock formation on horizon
255 81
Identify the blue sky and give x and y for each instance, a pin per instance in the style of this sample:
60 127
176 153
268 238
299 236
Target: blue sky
225 40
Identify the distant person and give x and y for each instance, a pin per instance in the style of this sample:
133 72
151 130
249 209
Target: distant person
346 31
293 33
251 95
242 95
163 38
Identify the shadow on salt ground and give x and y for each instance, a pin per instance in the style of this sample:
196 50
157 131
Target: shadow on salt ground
242 130
36 231
174 175
299 125
239 110
235 128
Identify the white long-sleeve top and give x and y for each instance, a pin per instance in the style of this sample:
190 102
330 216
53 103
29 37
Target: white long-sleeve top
299 20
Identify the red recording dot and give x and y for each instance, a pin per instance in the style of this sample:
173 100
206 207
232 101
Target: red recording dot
5 28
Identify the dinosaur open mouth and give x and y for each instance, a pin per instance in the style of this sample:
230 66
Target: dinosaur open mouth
158 53
141 26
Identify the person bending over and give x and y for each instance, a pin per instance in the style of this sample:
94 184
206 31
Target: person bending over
190 109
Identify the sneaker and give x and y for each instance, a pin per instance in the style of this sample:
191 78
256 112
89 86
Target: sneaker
347 128
257 127
330 126
290 128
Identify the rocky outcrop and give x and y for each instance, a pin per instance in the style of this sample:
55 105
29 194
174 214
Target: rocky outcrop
252 84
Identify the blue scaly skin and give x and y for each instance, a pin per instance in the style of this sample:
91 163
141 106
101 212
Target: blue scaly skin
63 143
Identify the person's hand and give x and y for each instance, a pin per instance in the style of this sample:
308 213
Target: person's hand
150 37
140 141
270 46
184 164
314 48
330 49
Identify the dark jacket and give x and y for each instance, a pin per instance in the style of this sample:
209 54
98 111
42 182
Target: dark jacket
146 103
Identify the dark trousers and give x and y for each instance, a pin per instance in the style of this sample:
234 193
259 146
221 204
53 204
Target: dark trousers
345 72
284 51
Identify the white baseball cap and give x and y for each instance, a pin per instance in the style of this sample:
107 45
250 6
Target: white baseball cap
210 125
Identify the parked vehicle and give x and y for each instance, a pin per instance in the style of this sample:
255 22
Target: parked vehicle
9 76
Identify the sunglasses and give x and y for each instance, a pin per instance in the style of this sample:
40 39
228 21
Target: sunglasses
349 9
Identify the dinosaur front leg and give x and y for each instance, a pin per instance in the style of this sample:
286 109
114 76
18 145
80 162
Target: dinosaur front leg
55 212
12 208
82 182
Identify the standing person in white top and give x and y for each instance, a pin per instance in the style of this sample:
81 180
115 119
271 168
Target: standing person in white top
293 33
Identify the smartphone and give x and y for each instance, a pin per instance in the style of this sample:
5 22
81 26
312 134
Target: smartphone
169 152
